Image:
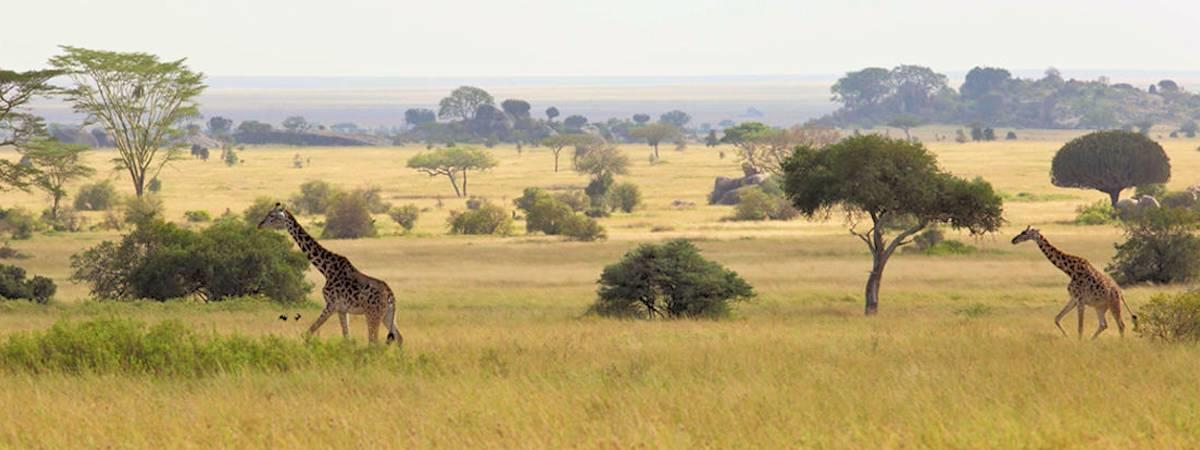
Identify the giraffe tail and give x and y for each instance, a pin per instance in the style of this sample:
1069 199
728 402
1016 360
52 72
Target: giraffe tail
390 317
1132 314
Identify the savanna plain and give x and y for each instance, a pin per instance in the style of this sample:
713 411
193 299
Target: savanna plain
499 351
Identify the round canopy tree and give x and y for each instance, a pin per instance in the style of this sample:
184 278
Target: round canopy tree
893 183
1109 162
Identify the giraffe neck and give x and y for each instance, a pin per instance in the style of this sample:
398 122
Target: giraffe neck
1056 256
320 257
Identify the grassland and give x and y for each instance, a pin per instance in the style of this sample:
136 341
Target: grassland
498 352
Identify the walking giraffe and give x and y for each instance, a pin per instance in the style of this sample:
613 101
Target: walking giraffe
1088 287
347 291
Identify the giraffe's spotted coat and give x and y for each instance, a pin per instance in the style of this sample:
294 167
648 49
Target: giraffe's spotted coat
1088 286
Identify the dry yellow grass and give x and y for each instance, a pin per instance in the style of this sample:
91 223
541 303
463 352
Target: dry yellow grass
509 360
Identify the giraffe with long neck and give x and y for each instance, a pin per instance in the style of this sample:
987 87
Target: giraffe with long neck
347 291
1088 286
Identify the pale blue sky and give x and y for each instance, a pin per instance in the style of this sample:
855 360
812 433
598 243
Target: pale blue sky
611 37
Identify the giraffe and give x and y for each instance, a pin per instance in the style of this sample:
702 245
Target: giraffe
347 291
1088 287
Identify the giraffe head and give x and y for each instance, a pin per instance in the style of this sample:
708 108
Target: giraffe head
277 216
1030 233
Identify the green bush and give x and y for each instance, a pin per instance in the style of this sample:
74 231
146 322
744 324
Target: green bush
19 223
1171 318
1182 199
197 216
1156 190
754 204
14 286
148 208
488 218
96 197
257 211
406 216
577 200
933 242
547 215
1099 213
67 220
162 261
154 185
314 197
1160 247
348 217
118 346
582 228
670 280
625 197
373 197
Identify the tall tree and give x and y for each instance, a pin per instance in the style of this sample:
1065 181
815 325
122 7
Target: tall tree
419 116
463 103
17 125
518 109
219 125
897 185
655 134
296 124
641 119
142 100
676 117
905 122
453 163
551 113
1110 162
916 86
864 88
56 164
575 122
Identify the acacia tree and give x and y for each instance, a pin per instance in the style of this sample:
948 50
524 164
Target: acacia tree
765 149
675 117
905 122
219 125
897 185
551 113
655 133
296 124
453 163
16 90
463 103
140 99
56 164
1110 162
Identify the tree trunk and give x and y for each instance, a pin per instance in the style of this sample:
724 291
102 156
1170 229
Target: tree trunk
656 151
873 283
454 182
556 162
464 191
54 207
1114 197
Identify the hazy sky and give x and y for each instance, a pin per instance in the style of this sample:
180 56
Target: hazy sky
610 37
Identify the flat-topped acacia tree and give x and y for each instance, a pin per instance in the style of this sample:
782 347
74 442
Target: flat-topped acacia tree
1110 162
893 183
453 163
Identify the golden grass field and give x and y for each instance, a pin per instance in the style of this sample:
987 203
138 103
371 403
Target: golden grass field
505 357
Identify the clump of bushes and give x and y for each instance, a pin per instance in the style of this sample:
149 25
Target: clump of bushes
1099 213
154 185
119 346
257 211
625 197
487 218
406 216
755 204
348 216
546 214
96 197
1171 318
162 261
583 228
146 208
933 242
314 197
669 280
198 216
14 285
1160 247
66 219
19 223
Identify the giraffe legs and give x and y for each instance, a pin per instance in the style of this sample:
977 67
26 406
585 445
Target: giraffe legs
325 313
1120 322
1100 312
1079 308
373 321
345 324
1065 310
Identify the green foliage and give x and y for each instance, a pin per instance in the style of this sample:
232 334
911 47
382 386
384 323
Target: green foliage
577 200
1181 199
1110 161
314 198
463 102
154 185
656 133
675 118
488 219
597 191
229 156
1156 190
755 204
605 160
56 164
119 346
14 286
669 280
142 210
1099 213
625 197
453 163
99 196
17 124
348 217
373 196
1160 247
1171 318
142 100
255 213
419 116
19 223
162 261
197 216
582 228
547 215
406 216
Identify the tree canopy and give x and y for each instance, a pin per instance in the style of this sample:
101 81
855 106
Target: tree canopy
453 163
463 103
419 116
55 165
1110 161
896 185
676 117
655 133
142 100
17 125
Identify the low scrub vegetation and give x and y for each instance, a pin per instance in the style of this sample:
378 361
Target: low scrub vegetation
348 216
487 218
14 285
406 216
1171 318
1099 213
1160 247
100 196
670 280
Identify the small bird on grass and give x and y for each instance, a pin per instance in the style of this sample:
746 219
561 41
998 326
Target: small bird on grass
283 317
297 316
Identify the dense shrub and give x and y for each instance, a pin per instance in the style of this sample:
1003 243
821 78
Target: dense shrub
577 200
348 217
933 242
406 216
670 280
1156 190
1099 213
19 223
1171 318
373 197
14 286
582 228
67 219
487 219
1181 199
257 211
197 216
162 261
625 197
754 204
154 185
314 197
146 208
547 215
96 197
122 346
1160 247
